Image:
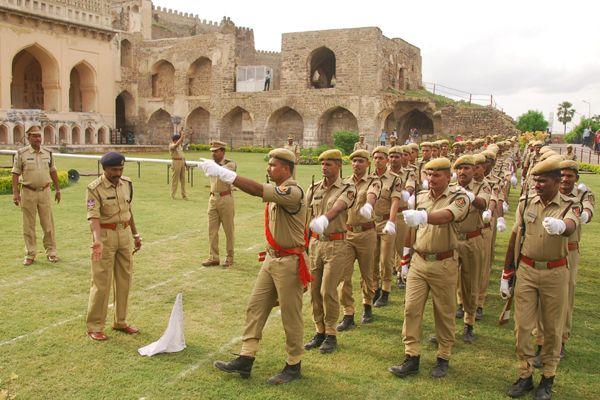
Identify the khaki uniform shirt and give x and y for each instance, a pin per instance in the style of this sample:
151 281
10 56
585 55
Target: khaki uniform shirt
287 213
176 151
570 156
360 146
34 167
389 181
538 244
322 200
440 238
217 185
294 148
364 186
586 200
109 203
473 220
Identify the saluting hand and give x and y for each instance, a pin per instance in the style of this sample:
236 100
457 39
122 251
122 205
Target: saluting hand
97 251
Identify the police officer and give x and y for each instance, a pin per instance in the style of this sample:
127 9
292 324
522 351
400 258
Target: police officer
34 168
284 274
362 238
295 149
221 209
361 145
328 201
177 164
542 276
570 153
113 228
433 267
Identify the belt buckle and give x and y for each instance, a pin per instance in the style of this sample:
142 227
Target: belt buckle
429 257
357 228
462 236
120 225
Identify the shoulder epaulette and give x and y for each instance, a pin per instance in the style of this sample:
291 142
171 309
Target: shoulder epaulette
94 184
125 178
22 150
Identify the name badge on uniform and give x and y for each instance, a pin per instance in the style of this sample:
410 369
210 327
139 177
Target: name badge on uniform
531 216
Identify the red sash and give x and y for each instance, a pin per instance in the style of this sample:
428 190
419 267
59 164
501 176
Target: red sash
303 272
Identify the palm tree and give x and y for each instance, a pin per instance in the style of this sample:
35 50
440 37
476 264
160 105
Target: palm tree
565 113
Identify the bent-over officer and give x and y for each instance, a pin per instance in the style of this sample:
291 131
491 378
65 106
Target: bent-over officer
34 168
284 274
221 209
113 228
544 221
433 267
177 165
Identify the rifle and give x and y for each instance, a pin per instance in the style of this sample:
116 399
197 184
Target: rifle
307 232
505 314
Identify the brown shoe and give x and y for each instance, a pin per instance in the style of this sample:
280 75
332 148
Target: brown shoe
130 330
228 262
210 263
28 261
99 336
53 259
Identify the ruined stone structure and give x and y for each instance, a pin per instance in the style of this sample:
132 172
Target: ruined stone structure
85 68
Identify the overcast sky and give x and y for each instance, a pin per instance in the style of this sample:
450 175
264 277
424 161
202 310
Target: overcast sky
529 54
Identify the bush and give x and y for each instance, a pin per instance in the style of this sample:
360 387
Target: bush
344 140
6 181
198 147
254 149
589 167
532 121
314 151
576 135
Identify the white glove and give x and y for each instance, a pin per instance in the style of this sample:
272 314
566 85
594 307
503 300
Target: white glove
582 187
404 272
454 176
513 180
411 202
505 207
500 224
366 210
585 217
487 216
405 195
469 194
319 224
504 289
554 226
389 228
425 184
415 217
211 168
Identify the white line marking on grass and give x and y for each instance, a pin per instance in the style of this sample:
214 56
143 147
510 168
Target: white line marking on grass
41 330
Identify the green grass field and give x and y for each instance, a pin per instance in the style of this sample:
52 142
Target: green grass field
42 308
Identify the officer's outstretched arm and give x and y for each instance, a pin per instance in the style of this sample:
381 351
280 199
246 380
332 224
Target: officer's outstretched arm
249 186
337 208
440 217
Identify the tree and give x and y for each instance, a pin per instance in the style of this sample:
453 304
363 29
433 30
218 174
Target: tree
565 113
344 140
576 134
532 121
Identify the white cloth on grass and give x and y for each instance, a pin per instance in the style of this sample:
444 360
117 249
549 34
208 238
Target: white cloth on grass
173 339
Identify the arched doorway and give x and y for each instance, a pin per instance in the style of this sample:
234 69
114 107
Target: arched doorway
237 128
415 119
89 135
199 77
82 89
322 68
334 120
19 135
160 128
125 112
63 135
35 80
3 134
48 135
198 122
163 79
103 137
126 54
76 135
283 122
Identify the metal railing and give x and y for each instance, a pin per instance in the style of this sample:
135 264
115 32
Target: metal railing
461 95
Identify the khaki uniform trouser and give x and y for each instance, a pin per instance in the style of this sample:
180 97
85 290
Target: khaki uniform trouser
488 236
117 262
277 281
221 211
327 268
33 203
178 176
384 261
401 229
439 277
544 291
470 259
361 249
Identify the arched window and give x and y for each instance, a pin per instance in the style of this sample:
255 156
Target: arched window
199 77
322 68
35 83
126 53
163 79
82 90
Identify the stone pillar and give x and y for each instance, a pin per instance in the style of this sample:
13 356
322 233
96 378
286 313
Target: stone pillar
52 97
310 135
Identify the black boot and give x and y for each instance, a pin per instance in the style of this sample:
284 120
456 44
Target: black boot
520 387
544 390
440 369
242 365
537 361
316 341
329 344
468 335
382 301
367 316
410 366
288 374
377 294
347 323
479 314
460 313
400 282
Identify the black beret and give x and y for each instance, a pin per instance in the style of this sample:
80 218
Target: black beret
112 159
176 136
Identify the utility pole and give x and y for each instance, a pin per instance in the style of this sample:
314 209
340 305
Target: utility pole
589 108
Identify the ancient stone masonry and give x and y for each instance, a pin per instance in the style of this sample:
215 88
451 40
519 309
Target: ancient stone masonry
149 67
